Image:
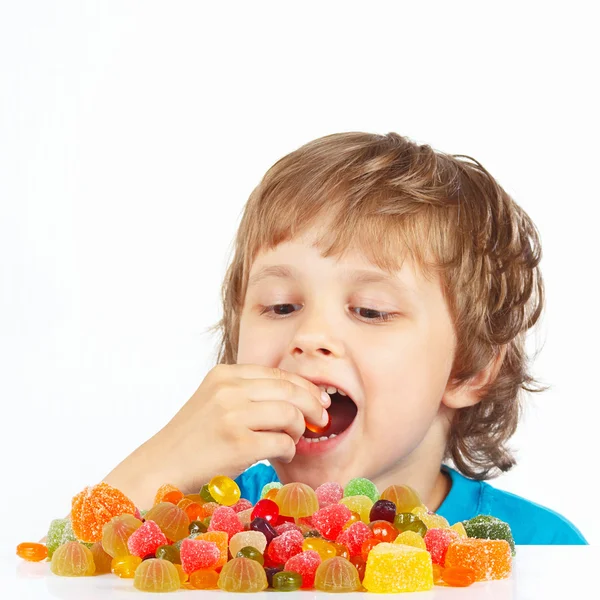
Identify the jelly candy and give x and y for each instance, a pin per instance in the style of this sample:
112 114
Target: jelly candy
284 546
297 500
410 522
270 573
251 553
241 505
287 581
198 554
197 527
256 539
194 511
361 505
60 532
242 575
329 493
32 551
437 542
430 519
221 540
170 553
437 573
318 428
205 494
330 520
102 560
204 579
73 560
116 533
354 518
361 564
404 497
224 490
183 576
485 527
157 575
245 517
173 521
264 527
164 490
173 497
460 529
354 537
383 531
341 550
458 576
274 485
95 506
359 486
411 538
146 539
490 559
125 566
323 548
394 568
225 519
306 564
267 510
367 546
337 575
383 510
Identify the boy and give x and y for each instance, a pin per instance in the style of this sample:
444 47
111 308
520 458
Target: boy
387 288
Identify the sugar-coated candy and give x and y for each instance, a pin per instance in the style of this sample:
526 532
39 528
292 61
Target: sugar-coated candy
170 553
383 531
383 510
306 564
437 542
32 551
173 521
367 546
458 576
146 539
73 560
245 517
410 522
204 579
166 490
267 510
197 527
404 497
241 505
224 490
411 538
360 486
95 506
205 494
361 505
324 548
116 532
284 546
330 520
286 526
102 560
354 518
337 575
490 559
225 519
329 493
287 581
157 575
460 529
60 532
251 553
198 554
394 568
125 566
264 527
256 539
486 527
354 537
221 539
431 519
274 485
297 500
242 575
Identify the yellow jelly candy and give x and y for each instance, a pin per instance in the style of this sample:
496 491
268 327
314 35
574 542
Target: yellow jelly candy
297 500
394 568
73 560
460 529
361 505
224 490
324 548
157 575
411 538
403 496
125 566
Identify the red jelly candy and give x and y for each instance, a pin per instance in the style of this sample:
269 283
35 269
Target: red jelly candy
146 539
437 542
225 519
242 504
198 554
384 531
284 546
305 563
354 537
330 520
267 510
329 493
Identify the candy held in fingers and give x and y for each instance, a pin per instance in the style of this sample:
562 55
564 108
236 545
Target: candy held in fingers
318 428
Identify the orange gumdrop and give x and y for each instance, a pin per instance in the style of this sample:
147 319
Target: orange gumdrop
173 496
317 428
95 506
437 574
163 490
458 576
32 551
270 495
367 546
184 503
195 498
195 512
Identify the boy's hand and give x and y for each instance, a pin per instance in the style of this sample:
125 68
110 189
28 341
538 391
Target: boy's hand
239 415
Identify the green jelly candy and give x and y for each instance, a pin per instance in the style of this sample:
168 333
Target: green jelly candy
361 487
206 495
197 527
274 485
170 553
486 527
287 581
410 522
252 553
59 533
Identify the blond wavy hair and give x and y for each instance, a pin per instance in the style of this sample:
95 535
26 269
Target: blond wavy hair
389 196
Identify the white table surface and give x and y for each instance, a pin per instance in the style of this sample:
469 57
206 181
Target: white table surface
538 572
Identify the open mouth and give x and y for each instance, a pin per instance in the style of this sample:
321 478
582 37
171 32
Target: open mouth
342 412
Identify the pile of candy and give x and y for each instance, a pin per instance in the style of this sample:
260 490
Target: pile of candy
331 539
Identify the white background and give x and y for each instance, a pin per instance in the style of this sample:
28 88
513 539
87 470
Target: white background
132 133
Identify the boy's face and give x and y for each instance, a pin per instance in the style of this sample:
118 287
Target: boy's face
395 371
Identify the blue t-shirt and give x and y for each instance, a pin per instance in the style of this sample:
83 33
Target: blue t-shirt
530 523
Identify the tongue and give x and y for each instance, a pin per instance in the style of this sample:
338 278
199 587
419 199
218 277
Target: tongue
342 412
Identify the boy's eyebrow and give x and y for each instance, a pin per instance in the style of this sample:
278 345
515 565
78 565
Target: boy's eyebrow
351 276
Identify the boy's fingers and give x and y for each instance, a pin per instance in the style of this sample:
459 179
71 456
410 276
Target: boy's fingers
276 416
275 445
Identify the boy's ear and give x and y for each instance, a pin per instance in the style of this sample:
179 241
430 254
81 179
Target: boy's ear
469 393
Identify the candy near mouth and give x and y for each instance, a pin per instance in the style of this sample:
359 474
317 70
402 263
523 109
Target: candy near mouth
342 413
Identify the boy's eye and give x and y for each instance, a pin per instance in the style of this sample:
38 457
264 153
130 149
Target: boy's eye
369 314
